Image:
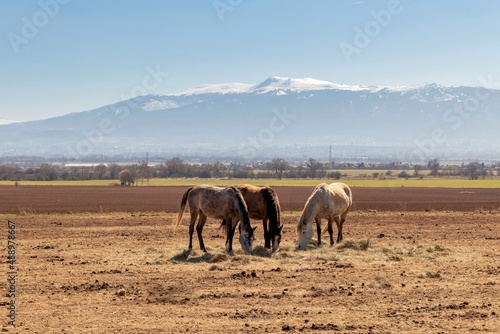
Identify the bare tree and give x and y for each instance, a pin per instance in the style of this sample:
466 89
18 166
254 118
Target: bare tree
113 170
416 169
175 167
313 166
279 165
474 170
46 172
434 167
144 171
100 171
450 170
218 170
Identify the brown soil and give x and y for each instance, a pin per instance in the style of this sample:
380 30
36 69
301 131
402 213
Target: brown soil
67 199
110 272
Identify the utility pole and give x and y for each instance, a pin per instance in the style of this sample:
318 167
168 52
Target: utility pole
330 157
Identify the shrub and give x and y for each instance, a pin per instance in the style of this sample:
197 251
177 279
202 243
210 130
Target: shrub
404 174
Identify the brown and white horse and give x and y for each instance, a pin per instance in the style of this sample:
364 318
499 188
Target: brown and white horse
224 203
331 201
263 203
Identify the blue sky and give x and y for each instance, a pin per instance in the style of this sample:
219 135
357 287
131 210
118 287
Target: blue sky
85 54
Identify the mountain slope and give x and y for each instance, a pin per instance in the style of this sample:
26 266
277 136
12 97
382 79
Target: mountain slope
247 120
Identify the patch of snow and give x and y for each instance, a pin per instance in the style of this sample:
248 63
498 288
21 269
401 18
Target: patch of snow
226 88
300 84
7 121
119 111
160 105
271 84
283 85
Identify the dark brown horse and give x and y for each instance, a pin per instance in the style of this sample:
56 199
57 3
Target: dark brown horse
263 204
225 203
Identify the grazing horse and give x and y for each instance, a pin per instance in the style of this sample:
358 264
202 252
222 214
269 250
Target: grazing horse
263 203
330 201
221 203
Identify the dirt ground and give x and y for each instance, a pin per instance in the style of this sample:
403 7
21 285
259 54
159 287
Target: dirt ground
73 199
127 272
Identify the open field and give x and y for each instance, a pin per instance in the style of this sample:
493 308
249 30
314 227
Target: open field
417 272
100 259
72 199
356 181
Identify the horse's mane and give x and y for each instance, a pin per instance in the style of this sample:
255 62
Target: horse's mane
310 205
242 206
273 208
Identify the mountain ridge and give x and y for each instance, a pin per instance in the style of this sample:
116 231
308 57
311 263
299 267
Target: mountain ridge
248 120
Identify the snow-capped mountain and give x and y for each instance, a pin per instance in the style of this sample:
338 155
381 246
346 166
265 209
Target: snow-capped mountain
6 121
271 84
246 120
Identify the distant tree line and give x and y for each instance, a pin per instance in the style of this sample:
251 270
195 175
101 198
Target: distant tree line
276 168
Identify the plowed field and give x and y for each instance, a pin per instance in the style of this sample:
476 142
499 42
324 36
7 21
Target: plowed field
72 199
105 260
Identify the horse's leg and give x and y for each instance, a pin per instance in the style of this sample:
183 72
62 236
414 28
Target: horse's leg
340 225
194 215
267 237
230 234
199 230
227 222
318 229
330 231
224 222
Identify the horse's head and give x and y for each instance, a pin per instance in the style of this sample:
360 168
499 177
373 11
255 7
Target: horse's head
304 233
276 239
246 239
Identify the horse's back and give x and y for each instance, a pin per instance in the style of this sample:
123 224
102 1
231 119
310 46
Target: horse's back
213 201
341 195
254 199
344 187
248 188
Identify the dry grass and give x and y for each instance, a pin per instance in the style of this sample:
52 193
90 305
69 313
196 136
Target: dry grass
128 273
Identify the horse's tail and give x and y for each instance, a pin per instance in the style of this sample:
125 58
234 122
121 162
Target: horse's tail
182 208
348 192
273 209
242 206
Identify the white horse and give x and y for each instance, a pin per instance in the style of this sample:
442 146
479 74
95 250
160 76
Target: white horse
330 201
